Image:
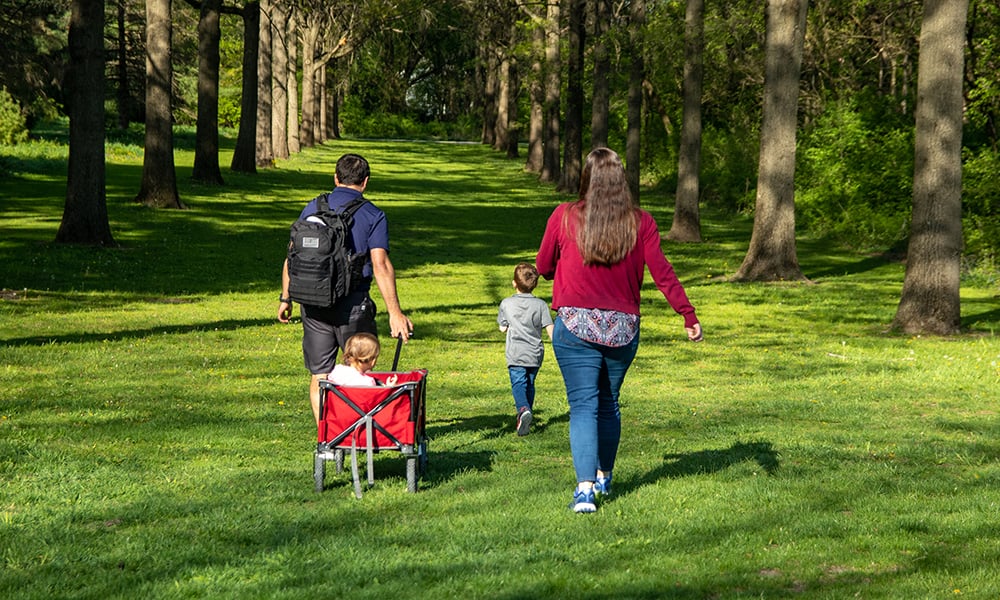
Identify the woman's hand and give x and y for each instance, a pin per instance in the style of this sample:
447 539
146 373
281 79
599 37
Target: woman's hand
694 332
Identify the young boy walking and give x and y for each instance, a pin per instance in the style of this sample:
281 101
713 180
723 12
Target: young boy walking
522 317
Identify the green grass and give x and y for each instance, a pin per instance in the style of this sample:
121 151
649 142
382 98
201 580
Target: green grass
156 440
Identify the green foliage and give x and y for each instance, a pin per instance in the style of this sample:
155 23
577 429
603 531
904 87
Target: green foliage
13 125
33 39
854 177
357 122
729 167
981 205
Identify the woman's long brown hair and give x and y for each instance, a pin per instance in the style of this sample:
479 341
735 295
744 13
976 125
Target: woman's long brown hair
606 216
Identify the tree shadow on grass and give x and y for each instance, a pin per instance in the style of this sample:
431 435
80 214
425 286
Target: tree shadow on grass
115 336
990 316
709 461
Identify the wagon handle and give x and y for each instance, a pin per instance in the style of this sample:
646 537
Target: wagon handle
399 346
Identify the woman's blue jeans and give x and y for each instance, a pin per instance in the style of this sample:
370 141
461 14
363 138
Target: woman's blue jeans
593 374
522 385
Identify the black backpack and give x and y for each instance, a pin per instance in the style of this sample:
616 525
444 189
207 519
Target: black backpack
321 267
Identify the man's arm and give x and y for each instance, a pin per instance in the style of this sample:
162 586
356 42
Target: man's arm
284 305
385 278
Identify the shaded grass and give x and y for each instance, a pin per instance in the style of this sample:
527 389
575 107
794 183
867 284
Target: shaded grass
155 439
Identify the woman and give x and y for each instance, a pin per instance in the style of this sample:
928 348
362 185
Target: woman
597 249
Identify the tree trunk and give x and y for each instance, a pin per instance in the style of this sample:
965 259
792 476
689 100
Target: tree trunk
772 255
930 301
602 65
309 37
85 214
321 100
244 155
637 75
292 83
334 118
686 225
265 154
279 91
206 154
502 138
553 85
513 122
159 179
122 95
536 94
490 93
573 144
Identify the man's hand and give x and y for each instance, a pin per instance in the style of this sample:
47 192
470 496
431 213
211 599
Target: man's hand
400 326
694 333
284 311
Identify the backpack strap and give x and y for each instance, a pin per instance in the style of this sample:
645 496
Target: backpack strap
352 207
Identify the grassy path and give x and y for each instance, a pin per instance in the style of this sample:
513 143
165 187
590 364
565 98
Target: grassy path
155 438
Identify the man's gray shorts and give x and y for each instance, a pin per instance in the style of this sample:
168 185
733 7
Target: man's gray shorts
326 330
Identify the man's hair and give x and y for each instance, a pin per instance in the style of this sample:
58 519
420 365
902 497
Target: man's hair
361 348
525 277
352 169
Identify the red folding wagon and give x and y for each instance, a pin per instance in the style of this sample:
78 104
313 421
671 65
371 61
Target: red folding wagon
371 419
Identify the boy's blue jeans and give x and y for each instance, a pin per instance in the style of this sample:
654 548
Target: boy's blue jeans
522 385
593 374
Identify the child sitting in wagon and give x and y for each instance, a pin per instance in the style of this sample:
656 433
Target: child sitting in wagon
360 355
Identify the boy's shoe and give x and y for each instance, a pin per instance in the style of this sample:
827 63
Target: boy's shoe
602 487
524 422
583 501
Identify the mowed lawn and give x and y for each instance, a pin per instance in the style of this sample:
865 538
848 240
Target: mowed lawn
156 440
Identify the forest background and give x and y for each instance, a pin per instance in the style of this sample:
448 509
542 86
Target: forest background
535 78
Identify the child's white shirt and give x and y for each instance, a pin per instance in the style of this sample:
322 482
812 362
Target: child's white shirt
345 375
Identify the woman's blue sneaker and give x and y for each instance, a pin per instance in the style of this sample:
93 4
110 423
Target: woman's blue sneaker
583 501
602 487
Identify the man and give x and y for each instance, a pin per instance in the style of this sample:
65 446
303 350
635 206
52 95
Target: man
326 330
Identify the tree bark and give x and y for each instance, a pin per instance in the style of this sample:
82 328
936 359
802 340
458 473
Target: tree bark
159 179
279 90
536 92
310 35
930 301
85 214
553 85
319 131
206 154
637 75
292 83
333 130
502 137
602 65
264 154
122 95
573 144
686 226
491 90
772 254
244 155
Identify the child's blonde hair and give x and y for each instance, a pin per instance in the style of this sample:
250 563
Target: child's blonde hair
361 348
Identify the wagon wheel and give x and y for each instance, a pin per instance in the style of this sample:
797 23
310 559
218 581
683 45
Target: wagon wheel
422 455
319 471
338 456
411 474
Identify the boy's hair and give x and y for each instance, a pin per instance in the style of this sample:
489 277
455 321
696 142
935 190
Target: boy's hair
361 348
525 277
